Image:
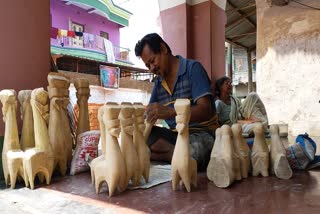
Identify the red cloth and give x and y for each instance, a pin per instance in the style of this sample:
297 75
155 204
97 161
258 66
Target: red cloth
54 32
71 33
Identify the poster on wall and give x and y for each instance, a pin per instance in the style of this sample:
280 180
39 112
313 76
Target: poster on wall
109 76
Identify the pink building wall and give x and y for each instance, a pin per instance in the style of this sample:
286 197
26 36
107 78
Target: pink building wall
175 23
93 23
197 32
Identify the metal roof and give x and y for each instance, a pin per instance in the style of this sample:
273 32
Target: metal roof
241 24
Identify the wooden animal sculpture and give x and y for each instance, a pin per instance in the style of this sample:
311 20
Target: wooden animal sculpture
242 150
224 166
279 163
183 166
139 141
39 159
83 93
27 134
12 156
112 168
147 130
127 147
214 153
260 152
102 141
59 130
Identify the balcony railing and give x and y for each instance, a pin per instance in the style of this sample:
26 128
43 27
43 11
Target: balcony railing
121 53
89 46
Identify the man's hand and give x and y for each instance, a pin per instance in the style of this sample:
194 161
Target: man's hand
155 111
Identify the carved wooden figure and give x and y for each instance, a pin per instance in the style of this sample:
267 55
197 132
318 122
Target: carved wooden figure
39 159
260 152
242 150
102 141
59 129
127 147
279 163
183 166
112 168
139 141
27 135
216 149
224 166
12 156
83 93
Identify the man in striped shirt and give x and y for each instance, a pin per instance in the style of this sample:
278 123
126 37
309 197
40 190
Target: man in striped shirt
177 77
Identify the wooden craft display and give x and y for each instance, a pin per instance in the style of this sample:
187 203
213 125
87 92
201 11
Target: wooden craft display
27 134
59 128
242 150
12 156
111 168
139 140
39 160
184 168
224 165
260 152
83 94
279 162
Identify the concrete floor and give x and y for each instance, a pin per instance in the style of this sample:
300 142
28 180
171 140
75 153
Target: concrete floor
75 194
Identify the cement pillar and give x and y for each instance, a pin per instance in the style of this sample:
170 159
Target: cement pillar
25 45
288 65
195 29
230 64
250 84
25 48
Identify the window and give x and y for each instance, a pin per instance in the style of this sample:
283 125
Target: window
104 35
77 41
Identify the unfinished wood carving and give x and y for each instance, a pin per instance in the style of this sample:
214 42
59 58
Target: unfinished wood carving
11 154
59 129
214 153
83 93
183 166
127 147
16 167
242 150
27 134
139 141
102 141
224 166
279 163
112 168
260 152
39 159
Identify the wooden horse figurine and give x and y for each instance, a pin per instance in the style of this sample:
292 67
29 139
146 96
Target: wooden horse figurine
241 149
102 141
39 159
12 156
83 93
127 147
214 153
279 163
260 152
224 165
183 166
27 135
112 168
139 141
59 129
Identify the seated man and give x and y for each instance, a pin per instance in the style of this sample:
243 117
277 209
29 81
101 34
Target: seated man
177 77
